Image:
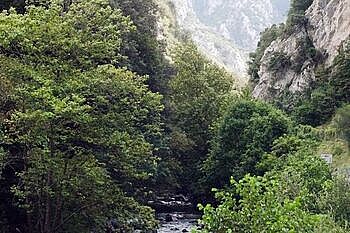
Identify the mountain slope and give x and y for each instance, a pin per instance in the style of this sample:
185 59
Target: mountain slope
227 30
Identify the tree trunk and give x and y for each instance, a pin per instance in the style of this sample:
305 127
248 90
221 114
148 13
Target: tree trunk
47 224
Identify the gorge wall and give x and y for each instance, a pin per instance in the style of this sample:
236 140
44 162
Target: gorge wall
227 30
300 51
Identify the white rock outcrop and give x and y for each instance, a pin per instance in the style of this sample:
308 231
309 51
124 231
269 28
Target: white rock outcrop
328 25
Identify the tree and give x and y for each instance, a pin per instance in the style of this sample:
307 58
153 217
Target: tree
261 208
297 194
318 108
198 92
330 92
80 146
142 47
78 130
296 14
71 39
246 131
266 38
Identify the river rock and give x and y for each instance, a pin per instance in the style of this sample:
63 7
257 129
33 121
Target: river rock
166 203
169 218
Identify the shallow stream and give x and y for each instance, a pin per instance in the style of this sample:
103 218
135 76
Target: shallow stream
177 222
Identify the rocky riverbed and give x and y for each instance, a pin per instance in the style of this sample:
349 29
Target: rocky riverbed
177 222
171 203
175 213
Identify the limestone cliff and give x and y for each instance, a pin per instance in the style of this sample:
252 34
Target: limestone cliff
289 63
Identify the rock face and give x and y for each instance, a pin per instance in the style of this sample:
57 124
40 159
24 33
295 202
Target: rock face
327 26
227 30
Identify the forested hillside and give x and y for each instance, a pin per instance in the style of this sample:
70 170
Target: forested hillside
103 125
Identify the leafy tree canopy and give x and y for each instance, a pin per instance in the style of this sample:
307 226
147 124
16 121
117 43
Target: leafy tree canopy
79 131
246 131
198 93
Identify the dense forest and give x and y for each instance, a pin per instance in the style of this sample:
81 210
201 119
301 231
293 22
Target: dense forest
96 120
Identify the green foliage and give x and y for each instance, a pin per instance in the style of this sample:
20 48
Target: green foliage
318 109
296 14
301 137
297 194
260 208
331 92
303 172
245 133
300 6
80 135
68 40
84 126
343 122
337 196
142 47
306 52
198 92
294 162
142 52
79 131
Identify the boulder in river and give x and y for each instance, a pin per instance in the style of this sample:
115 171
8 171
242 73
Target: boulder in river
171 203
169 218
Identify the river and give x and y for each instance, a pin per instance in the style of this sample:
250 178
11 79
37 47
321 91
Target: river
177 222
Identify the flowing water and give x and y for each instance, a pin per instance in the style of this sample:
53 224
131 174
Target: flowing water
177 222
